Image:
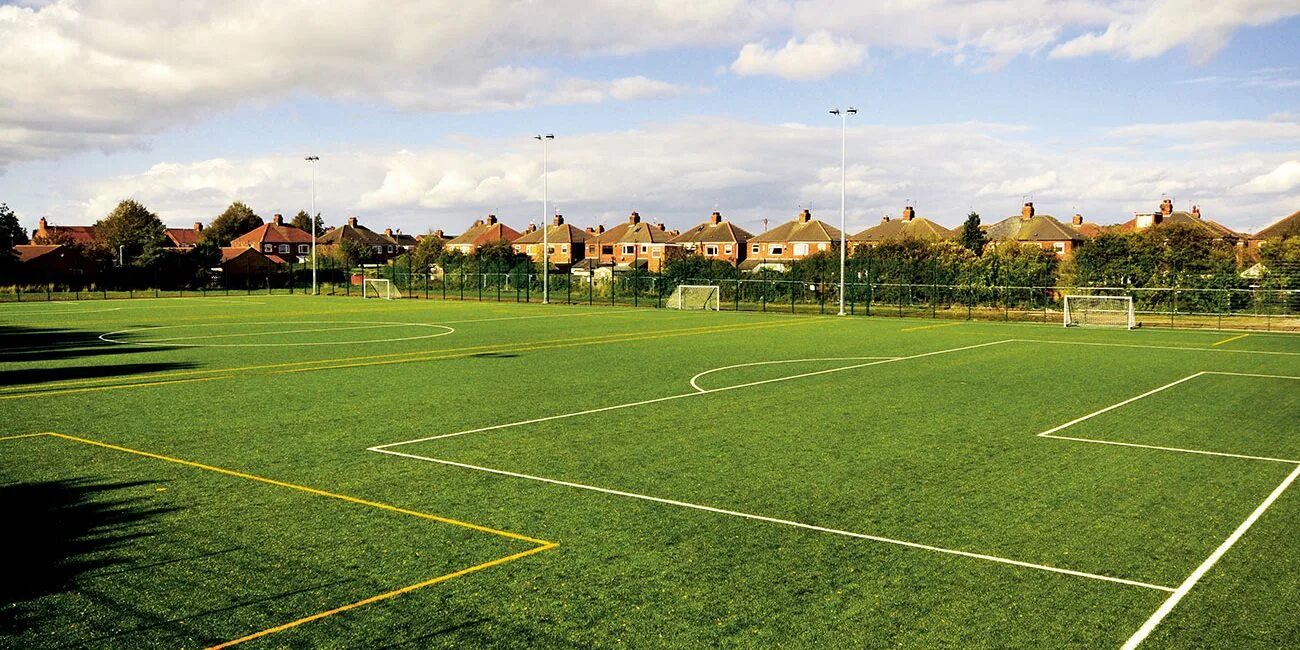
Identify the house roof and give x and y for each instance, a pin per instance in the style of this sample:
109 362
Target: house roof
184 236
645 233
353 231
908 227
1192 219
29 252
1037 228
84 235
801 229
400 238
1288 226
555 234
714 231
273 233
231 252
485 231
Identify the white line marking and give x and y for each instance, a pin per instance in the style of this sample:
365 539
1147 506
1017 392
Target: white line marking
170 342
1160 347
1248 374
681 395
783 522
1115 406
277 332
1169 604
1178 449
767 363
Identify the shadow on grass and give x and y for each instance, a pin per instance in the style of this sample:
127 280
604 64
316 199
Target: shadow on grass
493 355
34 376
58 531
36 345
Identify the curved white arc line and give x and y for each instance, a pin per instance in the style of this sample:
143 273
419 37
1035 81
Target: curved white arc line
768 363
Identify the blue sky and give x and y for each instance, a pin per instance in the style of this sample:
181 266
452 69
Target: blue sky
421 112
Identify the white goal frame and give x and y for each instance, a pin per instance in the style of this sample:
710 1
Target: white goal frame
379 288
1079 316
713 302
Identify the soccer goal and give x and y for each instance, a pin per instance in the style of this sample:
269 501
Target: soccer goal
695 296
379 288
1105 311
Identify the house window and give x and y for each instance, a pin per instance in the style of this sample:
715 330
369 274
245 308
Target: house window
776 249
379 249
607 250
564 248
1059 247
754 249
550 250
629 249
800 250
303 249
712 250
268 248
644 249
284 248
727 249
390 249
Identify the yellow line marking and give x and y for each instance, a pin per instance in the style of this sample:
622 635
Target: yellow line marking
95 389
348 362
928 327
1229 339
542 545
383 596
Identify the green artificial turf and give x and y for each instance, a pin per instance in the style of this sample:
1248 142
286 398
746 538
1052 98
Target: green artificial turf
895 429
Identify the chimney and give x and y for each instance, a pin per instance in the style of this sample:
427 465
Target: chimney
1027 212
590 229
558 221
278 219
532 227
1078 220
1166 207
884 219
661 227
908 213
805 216
492 219
438 233
600 228
198 227
634 218
1196 211
388 232
715 218
352 221
42 224
478 222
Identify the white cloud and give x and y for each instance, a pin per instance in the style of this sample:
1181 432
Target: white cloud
1203 27
1285 178
818 56
679 171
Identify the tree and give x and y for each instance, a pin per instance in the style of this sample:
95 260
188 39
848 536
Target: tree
11 232
499 256
428 251
351 252
972 236
235 221
302 221
133 232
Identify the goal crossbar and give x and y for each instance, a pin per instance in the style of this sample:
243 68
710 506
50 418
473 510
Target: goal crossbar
1104 311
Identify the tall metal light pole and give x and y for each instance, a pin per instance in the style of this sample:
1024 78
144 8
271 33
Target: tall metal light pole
546 256
844 127
313 160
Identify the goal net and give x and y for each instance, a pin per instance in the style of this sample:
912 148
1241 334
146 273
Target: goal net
1106 311
694 296
379 288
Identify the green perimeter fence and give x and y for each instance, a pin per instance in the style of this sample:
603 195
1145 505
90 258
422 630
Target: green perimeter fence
944 297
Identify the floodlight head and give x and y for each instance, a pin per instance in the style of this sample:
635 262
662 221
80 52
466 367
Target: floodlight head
835 111
852 111
550 136
312 158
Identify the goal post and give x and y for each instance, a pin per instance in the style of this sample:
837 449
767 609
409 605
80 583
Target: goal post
695 296
379 288
1104 311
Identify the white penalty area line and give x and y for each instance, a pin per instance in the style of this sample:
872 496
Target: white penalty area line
783 522
698 392
1195 577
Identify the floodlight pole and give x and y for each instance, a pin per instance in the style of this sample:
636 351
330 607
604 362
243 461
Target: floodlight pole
844 127
313 160
546 257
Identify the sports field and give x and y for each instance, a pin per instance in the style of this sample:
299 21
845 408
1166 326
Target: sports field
275 471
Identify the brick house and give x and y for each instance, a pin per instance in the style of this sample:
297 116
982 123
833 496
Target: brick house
790 241
1042 230
1284 228
79 235
716 239
403 241
53 263
243 265
279 242
184 237
1167 216
381 248
484 231
602 244
567 243
909 226
642 246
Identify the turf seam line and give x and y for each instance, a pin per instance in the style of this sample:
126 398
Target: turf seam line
1196 575
1229 340
930 327
784 522
682 395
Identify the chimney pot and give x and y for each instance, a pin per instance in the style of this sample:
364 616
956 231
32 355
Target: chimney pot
492 218
805 216
600 228
661 227
634 218
559 220
908 213
1027 212
1078 220
388 232
1196 211
715 218
437 233
1167 207
352 221
43 224
884 219
278 219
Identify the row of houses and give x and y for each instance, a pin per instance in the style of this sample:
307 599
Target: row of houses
640 244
